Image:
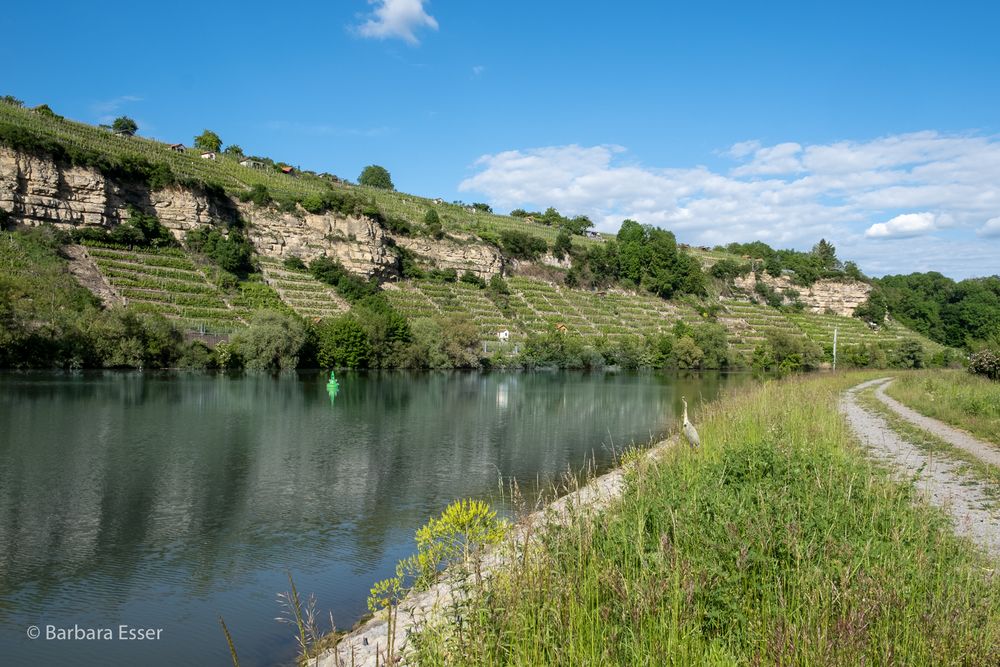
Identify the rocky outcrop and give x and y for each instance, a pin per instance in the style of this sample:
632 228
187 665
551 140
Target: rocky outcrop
460 252
836 296
359 243
36 190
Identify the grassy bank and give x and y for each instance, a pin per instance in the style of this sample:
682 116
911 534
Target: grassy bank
778 542
966 401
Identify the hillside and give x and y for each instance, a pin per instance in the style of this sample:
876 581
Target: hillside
78 177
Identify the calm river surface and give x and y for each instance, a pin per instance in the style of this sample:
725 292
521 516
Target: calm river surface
164 500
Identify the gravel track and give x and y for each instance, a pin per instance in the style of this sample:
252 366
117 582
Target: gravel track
939 477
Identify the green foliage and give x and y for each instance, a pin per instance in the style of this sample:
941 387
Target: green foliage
729 269
343 343
482 208
294 263
787 353
124 339
11 100
640 257
954 314
432 224
472 279
443 342
805 267
563 244
46 110
234 151
258 194
348 285
874 309
232 252
139 230
125 125
521 245
208 141
557 349
375 176
687 354
909 353
273 341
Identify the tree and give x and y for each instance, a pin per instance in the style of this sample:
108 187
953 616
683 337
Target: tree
273 341
125 125
562 245
432 221
375 176
827 255
234 150
13 101
208 141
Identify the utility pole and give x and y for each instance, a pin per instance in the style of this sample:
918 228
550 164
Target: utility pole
835 348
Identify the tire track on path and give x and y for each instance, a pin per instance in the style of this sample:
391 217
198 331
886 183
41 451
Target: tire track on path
939 477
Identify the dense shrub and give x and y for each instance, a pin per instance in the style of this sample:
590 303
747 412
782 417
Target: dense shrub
257 194
273 341
294 263
232 252
432 224
729 269
353 288
985 362
343 343
521 245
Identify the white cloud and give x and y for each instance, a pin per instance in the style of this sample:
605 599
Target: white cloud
991 229
106 110
788 194
397 19
903 226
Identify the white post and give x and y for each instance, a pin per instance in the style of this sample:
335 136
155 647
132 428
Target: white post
835 348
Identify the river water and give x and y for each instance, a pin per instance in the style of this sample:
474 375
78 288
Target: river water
165 500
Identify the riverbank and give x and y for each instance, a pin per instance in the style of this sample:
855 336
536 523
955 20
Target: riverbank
778 541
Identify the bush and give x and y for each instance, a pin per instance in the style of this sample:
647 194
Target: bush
273 341
472 279
521 245
985 362
294 263
432 224
687 354
343 343
257 194
233 252
353 288
729 269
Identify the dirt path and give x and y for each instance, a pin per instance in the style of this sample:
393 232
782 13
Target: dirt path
953 436
937 476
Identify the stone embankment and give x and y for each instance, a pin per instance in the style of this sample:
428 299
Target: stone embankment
836 296
365 646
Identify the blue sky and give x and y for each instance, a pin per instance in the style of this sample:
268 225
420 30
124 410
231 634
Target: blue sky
871 124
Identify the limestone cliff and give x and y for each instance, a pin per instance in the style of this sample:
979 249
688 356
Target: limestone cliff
840 297
462 252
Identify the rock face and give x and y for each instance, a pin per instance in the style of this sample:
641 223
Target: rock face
840 297
37 190
359 243
460 252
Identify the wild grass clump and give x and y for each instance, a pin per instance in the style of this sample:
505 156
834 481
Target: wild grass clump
970 402
777 542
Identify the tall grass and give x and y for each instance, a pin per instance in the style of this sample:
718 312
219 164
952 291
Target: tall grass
778 542
970 402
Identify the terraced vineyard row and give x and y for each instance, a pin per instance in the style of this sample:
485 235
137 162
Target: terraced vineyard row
304 294
168 282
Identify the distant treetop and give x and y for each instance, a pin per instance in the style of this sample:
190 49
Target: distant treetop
208 141
125 125
375 176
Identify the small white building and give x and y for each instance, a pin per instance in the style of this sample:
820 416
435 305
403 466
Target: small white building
252 164
177 148
208 155
503 336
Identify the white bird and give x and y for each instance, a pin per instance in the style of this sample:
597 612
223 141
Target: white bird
689 431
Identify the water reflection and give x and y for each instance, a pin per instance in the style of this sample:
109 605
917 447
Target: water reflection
167 499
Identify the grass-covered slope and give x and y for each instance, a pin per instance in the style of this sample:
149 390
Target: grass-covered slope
966 401
776 542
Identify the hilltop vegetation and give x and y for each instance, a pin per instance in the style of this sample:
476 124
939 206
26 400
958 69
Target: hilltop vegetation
635 299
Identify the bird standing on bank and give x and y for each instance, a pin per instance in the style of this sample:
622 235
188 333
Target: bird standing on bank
689 431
